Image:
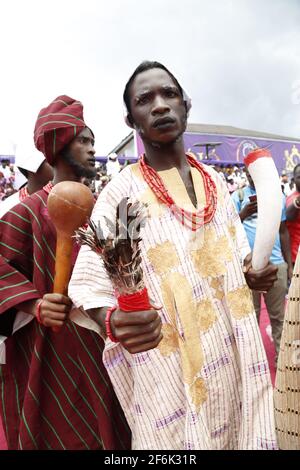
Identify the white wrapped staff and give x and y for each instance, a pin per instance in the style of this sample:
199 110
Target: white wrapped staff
269 204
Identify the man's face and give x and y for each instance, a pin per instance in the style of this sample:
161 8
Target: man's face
157 107
80 154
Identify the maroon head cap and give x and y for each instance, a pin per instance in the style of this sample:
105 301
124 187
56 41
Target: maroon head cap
57 125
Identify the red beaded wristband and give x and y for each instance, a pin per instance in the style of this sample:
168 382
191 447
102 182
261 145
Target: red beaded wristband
38 312
107 324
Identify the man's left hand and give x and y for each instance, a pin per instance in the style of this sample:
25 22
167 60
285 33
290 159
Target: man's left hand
261 279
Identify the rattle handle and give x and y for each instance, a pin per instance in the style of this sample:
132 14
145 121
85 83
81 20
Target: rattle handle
64 248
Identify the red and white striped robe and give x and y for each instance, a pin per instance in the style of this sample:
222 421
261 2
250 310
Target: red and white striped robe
55 392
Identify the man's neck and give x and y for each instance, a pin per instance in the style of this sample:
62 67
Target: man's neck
163 157
63 172
32 187
59 177
33 184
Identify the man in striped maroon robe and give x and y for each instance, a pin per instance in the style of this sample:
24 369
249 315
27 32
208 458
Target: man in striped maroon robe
55 392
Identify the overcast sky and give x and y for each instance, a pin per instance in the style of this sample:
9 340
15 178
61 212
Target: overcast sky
239 60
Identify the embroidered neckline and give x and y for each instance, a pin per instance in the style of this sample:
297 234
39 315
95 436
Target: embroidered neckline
192 220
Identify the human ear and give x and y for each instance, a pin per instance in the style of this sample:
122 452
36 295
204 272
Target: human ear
129 121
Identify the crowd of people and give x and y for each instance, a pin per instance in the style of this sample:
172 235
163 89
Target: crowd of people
168 354
235 177
7 179
10 182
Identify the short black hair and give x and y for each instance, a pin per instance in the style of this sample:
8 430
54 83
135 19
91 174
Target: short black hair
143 67
296 168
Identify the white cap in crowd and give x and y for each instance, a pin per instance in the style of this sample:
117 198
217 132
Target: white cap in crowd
113 156
28 158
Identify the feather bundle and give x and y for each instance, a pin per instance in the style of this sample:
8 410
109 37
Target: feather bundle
119 249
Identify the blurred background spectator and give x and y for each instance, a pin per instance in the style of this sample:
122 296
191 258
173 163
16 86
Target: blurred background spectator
113 165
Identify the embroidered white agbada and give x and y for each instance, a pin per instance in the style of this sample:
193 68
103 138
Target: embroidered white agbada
207 385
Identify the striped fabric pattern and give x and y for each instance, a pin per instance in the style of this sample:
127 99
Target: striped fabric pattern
55 392
233 405
57 125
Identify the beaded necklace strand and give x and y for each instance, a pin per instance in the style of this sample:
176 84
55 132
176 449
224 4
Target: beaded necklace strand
192 220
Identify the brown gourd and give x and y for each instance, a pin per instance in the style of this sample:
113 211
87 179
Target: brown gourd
69 206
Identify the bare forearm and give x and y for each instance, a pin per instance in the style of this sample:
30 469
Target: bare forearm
98 315
285 247
242 216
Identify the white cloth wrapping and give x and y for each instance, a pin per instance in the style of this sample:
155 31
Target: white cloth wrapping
269 206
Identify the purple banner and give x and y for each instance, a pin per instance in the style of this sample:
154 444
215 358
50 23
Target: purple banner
231 149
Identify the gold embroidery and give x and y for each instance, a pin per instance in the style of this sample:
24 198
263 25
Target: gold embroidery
210 260
176 188
169 343
198 392
169 303
163 257
232 231
183 313
198 187
224 249
155 209
240 302
210 235
196 240
218 286
206 314
192 358
135 168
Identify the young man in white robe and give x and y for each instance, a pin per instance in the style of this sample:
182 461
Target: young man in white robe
194 374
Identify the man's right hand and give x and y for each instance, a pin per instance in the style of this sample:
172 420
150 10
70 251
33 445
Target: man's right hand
248 210
136 331
54 309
